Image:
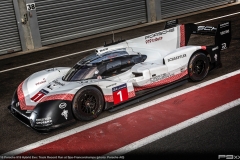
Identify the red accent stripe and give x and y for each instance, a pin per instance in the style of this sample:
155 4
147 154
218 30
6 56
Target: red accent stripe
21 99
130 128
131 94
182 36
108 98
67 97
162 82
24 106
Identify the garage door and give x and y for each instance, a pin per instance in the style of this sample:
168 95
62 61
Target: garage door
61 20
9 36
177 7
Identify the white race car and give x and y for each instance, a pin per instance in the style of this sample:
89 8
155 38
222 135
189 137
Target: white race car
117 73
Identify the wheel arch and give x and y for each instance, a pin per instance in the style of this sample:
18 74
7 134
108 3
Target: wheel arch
99 88
94 86
192 56
205 52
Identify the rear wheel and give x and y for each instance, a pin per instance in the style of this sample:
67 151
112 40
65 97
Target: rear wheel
198 67
88 103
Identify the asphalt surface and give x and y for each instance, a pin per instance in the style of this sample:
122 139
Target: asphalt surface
207 139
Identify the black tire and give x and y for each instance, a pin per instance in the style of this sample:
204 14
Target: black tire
198 66
87 103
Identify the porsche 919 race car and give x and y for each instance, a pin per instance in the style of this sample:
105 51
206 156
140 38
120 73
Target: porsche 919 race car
117 73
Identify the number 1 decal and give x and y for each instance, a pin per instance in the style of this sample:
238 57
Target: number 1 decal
39 95
120 94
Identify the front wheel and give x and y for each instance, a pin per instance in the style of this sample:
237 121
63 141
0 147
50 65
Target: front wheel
198 67
88 103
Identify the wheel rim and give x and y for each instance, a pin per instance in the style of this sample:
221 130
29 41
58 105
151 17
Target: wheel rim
88 104
199 67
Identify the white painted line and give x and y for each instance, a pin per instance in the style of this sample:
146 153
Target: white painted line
31 64
115 116
173 129
94 48
218 17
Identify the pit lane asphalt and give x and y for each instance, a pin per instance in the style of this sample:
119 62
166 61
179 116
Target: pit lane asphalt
218 134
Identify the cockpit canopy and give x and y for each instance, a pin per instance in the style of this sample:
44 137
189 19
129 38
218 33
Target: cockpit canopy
105 65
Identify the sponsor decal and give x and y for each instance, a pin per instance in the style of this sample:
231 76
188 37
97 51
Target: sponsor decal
51 86
171 23
50 70
160 77
120 93
84 81
215 48
62 105
44 91
111 85
96 72
157 34
43 81
215 57
65 114
47 120
58 83
177 57
224 25
224 46
224 32
17 104
104 49
206 28
170 79
39 95
29 111
182 69
153 40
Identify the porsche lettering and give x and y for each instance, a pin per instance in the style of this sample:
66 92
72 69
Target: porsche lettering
159 33
206 28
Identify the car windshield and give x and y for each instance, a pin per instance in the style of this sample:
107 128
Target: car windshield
95 58
96 66
80 72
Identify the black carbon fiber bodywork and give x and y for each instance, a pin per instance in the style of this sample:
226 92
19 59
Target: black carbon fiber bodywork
45 116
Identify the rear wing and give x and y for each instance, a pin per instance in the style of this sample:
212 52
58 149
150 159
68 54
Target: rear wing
222 32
